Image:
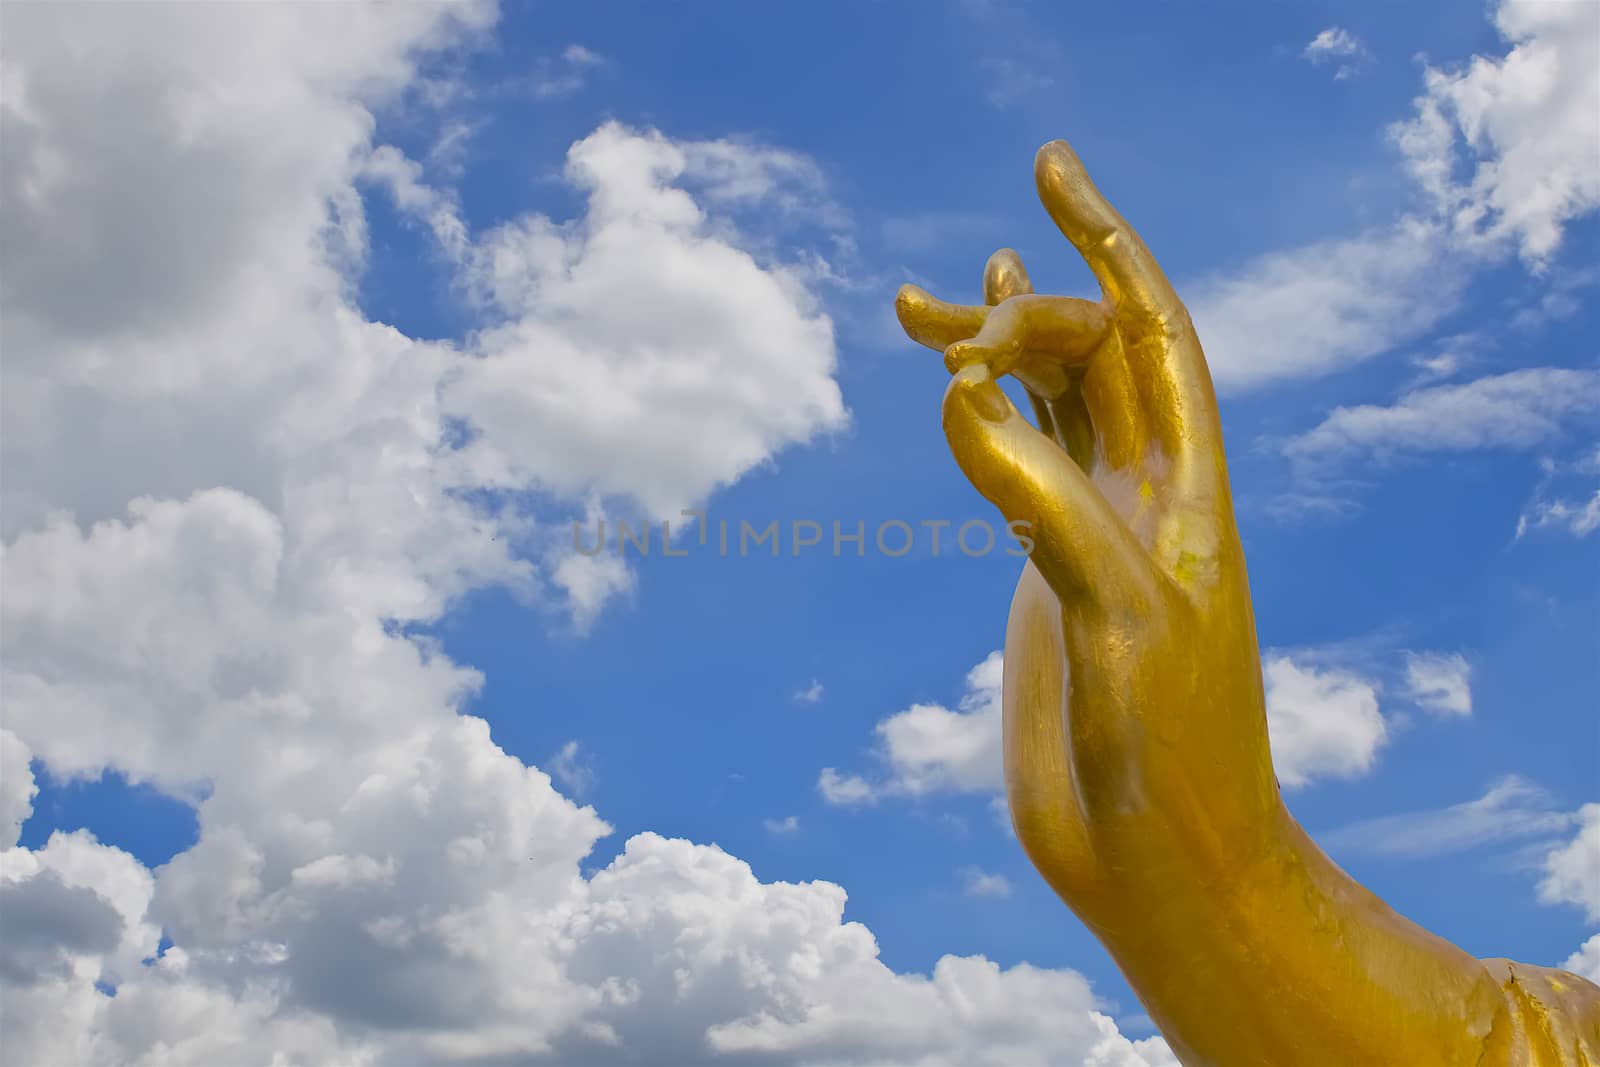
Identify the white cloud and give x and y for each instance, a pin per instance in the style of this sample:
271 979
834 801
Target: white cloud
644 355
1518 409
979 883
1512 808
297 398
740 172
1324 307
1579 518
786 825
1436 368
447 154
1572 871
566 74
929 747
845 789
1440 682
1528 121
1523 126
1551 508
1333 42
17 787
1586 961
572 768
673 947
403 178
578 55
811 694
1338 45
591 583
1323 722
1559 300
223 485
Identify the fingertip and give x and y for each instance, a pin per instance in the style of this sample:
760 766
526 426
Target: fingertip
1051 150
908 301
973 393
1053 162
1069 195
1004 276
999 360
916 309
964 354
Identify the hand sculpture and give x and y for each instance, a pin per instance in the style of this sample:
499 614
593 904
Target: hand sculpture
1137 768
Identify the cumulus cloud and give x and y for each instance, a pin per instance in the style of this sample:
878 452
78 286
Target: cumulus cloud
811 694
929 747
297 397
1572 871
224 485
48 923
674 951
1323 722
696 938
75 910
175 315
1440 682
1522 126
642 354
17 787
1586 961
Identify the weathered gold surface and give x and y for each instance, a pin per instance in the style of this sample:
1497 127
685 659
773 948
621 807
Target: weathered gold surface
1137 767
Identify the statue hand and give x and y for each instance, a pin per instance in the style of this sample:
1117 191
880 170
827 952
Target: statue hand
1133 707
1137 763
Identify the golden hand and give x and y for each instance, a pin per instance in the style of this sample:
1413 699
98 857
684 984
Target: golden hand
1137 764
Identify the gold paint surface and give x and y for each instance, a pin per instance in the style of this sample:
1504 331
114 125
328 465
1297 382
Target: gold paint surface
1137 766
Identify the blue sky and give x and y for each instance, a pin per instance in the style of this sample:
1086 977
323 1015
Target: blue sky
1409 392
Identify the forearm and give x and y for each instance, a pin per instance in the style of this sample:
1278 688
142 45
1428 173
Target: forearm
1285 959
